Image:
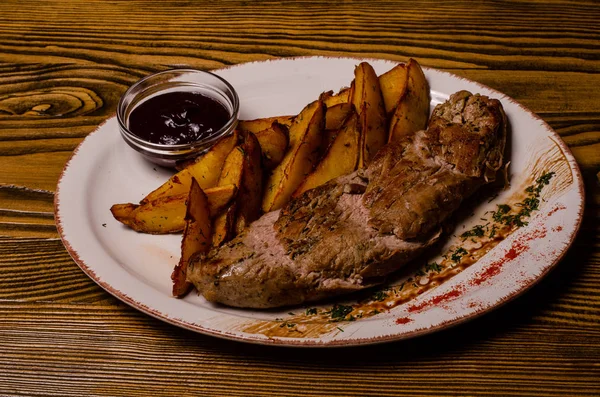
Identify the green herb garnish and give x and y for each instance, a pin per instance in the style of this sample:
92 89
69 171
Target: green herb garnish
339 312
458 254
527 206
434 267
476 231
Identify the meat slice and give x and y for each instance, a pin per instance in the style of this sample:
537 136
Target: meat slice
349 234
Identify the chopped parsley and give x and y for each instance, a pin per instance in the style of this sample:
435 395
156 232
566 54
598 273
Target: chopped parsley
311 311
540 183
476 231
498 215
458 254
527 206
339 312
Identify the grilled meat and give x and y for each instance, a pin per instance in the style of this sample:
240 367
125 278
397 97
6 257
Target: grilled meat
350 233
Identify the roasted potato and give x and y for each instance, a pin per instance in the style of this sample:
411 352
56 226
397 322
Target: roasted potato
334 120
122 212
412 111
341 157
197 237
223 226
257 125
368 102
306 134
393 85
249 198
166 214
273 143
206 170
330 99
337 114
231 173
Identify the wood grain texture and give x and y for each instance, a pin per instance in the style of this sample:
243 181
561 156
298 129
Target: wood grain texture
64 66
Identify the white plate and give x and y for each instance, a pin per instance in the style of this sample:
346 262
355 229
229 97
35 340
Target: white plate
136 268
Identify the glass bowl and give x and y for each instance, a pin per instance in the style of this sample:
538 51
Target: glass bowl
205 83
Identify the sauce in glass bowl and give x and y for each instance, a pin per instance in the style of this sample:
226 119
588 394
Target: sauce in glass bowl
177 117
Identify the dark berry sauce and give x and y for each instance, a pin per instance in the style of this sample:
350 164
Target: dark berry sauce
177 118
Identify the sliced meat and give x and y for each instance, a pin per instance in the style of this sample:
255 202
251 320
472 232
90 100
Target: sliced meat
418 183
349 234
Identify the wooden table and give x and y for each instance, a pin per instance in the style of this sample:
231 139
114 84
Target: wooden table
64 65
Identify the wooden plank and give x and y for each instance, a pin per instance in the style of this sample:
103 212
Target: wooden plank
116 351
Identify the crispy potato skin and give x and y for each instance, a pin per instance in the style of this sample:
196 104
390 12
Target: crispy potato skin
122 212
166 214
334 120
412 111
249 197
223 226
274 143
393 86
341 157
306 134
368 102
231 173
262 124
205 170
196 237
330 99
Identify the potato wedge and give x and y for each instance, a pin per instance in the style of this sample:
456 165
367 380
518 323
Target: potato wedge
123 212
160 216
368 102
306 134
223 226
166 214
412 111
206 170
330 99
231 173
393 86
257 125
249 198
341 157
197 237
337 114
334 120
274 143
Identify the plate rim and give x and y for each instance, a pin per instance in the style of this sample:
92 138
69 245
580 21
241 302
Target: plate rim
310 342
